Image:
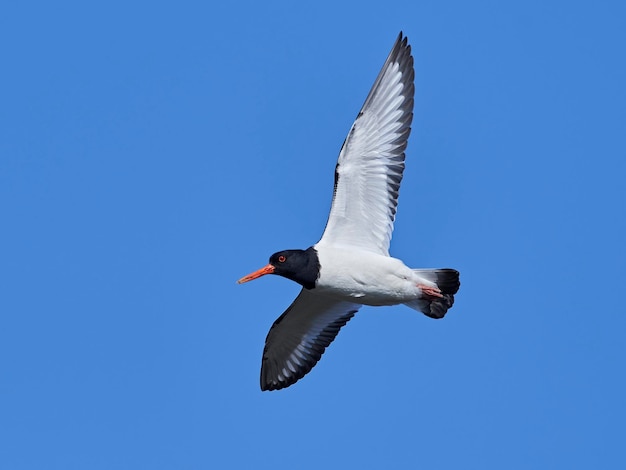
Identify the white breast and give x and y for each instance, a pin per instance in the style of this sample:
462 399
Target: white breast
364 277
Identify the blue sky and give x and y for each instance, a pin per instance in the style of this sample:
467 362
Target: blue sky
152 154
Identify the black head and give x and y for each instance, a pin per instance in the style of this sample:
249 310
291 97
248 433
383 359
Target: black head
301 266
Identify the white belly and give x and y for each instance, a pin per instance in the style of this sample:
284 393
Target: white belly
364 277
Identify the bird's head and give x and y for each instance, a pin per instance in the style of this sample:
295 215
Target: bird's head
301 266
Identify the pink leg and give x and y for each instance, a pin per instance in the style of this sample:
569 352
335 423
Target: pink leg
430 291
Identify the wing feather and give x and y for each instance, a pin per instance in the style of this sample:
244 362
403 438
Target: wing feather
299 337
371 161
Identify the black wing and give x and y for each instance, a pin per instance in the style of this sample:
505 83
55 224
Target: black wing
299 337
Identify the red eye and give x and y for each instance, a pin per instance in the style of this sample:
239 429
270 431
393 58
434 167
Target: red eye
281 258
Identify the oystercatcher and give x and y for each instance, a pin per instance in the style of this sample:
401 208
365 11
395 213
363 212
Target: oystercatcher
350 266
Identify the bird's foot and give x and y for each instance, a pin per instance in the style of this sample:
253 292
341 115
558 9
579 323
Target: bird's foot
429 291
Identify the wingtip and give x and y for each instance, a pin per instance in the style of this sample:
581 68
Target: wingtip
402 39
401 50
270 385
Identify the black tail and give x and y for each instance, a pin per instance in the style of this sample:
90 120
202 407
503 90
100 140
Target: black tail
447 281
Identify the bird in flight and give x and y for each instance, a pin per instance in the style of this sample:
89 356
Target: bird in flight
350 266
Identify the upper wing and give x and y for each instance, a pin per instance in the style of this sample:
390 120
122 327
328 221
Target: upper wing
299 337
371 160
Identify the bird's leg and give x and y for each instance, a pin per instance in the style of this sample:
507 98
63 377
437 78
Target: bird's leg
429 291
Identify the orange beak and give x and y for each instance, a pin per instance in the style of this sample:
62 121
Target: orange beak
269 269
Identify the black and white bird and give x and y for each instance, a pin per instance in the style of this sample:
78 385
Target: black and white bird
350 266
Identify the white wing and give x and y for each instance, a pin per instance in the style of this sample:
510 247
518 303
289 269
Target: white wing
299 337
371 160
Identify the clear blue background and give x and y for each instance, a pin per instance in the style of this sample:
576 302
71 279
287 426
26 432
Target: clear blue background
152 153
